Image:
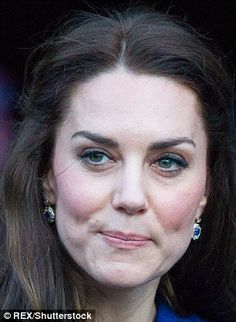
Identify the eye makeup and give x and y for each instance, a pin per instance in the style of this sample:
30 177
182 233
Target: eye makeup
170 164
167 164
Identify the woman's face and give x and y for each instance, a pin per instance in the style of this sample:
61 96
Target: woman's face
129 176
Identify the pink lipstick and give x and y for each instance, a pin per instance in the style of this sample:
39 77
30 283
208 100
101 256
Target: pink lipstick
122 240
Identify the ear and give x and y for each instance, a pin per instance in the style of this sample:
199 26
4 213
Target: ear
203 201
201 206
49 188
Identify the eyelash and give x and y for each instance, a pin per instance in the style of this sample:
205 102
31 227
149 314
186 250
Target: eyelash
180 162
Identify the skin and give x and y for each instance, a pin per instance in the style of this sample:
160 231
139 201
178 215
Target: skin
132 188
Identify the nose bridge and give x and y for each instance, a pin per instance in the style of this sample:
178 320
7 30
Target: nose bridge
130 195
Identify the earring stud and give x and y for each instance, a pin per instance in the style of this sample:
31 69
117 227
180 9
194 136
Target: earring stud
48 212
197 230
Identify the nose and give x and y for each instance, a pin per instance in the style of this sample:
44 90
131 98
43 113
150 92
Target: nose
129 196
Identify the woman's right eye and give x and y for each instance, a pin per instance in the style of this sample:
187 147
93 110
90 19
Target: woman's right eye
95 158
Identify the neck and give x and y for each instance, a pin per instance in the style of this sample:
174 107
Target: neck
127 304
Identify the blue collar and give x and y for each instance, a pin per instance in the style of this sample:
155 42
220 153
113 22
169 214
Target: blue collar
165 314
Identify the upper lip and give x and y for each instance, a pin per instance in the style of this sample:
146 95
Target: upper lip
124 236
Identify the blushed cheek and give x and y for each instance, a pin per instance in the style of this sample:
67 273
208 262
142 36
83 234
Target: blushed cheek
179 210
78 197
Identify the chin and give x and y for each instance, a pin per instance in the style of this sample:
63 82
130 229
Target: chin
122 277
120 283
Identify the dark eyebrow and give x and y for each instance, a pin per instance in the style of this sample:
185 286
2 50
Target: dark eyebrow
98 138
169 143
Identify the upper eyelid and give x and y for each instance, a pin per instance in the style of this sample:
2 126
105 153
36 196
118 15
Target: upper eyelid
173 155
89 150
170 154
84 154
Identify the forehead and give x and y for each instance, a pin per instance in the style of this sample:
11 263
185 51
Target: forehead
119 101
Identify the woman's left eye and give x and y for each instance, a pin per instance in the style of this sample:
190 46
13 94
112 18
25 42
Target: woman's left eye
171 164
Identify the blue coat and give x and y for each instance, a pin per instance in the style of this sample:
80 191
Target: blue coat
165 314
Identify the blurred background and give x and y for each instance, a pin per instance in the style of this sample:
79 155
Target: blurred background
26 23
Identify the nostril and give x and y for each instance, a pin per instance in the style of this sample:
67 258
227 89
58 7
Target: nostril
130 205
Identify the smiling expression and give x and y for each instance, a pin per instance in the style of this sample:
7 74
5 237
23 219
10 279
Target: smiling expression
129 176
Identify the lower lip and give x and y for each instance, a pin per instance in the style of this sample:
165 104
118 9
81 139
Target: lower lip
125 244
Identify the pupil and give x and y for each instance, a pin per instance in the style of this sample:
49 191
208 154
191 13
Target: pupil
165 163
96 157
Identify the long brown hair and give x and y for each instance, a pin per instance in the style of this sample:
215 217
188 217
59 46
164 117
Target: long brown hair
35 270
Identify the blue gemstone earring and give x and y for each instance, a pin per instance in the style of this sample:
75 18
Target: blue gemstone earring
196 229
48 212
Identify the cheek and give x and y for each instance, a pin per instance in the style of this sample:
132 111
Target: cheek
177 209
79 197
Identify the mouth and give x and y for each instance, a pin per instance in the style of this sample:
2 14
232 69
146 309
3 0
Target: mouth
122 240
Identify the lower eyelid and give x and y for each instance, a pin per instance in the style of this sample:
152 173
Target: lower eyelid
171 173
